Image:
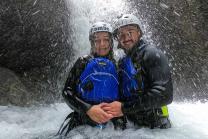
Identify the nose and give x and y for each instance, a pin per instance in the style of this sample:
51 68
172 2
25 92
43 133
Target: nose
102 42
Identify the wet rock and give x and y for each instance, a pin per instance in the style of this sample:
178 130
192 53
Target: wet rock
35 44
12 90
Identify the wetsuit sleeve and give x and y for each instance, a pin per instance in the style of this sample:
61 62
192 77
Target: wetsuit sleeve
69 92
158 83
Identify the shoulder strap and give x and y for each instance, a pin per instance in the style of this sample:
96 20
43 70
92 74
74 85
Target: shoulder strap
137 59
83 61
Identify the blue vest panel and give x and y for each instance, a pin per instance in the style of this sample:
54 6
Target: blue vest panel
128 80
99 81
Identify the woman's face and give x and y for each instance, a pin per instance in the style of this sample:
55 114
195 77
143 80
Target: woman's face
102 43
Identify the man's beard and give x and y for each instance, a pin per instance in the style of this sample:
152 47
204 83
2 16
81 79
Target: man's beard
128 51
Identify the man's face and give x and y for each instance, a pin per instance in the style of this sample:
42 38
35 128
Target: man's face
102 43
128 36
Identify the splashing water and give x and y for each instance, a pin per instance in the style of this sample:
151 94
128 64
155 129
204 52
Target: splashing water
189 121
86 12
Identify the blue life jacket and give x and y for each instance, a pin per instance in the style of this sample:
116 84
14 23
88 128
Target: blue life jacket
99 81
132 83
129 83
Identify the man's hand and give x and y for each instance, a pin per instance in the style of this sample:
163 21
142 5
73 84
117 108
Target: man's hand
97 114
113 108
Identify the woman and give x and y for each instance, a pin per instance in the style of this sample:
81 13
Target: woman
92 82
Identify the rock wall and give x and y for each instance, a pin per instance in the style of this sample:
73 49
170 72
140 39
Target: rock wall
35 47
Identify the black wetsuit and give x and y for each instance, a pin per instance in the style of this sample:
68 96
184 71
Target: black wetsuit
145 110
80 107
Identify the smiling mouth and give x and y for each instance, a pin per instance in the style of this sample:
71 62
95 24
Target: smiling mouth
129 41
104 48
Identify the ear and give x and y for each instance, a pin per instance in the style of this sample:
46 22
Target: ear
140 33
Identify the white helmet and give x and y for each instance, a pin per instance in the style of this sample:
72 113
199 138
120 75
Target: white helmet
99 27
127 19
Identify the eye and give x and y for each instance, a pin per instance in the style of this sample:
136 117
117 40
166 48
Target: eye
107 39
97 40
120 35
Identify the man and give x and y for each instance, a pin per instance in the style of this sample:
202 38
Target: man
145 78
92 80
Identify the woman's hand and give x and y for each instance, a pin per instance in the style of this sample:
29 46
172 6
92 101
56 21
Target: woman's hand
113 108
97 114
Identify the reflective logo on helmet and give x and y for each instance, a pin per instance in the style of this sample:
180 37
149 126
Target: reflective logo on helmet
100 29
